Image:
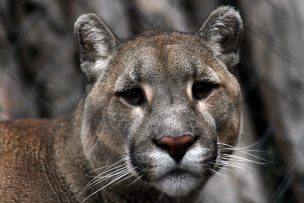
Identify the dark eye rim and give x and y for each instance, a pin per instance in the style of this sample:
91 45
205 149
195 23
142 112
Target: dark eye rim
206 86
136 99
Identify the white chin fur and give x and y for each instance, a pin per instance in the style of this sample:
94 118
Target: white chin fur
176 186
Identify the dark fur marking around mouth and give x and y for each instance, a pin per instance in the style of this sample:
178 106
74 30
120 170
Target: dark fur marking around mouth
138 166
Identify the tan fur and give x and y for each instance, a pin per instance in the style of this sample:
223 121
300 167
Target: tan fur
54 160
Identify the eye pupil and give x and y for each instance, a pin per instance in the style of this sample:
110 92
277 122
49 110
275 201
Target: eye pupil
201 90
134 96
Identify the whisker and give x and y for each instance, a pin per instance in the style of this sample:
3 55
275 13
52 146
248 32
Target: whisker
240 148
94 146
254 150
130 175
239 165
101 178
114 173
135 180
216 172
99 181
235 157
230 147
105 186
109 171
225 163
123 159
257 157
226 168
122 172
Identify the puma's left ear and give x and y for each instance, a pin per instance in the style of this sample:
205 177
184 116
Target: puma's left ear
223 30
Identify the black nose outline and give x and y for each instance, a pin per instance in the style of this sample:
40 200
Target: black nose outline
176 146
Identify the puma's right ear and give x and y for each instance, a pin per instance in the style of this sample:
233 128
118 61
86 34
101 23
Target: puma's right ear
223 31
95 42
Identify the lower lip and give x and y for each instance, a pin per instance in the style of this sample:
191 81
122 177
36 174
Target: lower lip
177 173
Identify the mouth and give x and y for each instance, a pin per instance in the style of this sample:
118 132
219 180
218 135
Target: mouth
175 173
173 178
177 182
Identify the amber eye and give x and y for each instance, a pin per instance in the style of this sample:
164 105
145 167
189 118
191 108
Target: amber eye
134 97
201 90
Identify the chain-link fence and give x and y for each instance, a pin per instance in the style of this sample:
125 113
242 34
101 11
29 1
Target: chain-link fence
40 77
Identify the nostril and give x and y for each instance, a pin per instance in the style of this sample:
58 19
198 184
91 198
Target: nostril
165 143
163 146
176 147
186 140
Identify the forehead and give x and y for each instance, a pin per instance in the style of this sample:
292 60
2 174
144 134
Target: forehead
166 56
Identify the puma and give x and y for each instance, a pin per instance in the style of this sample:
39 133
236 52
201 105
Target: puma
157 111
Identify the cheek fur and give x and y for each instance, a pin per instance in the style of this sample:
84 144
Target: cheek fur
139 159
137 115
208 117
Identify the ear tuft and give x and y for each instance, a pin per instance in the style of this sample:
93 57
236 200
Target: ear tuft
223 30
95 42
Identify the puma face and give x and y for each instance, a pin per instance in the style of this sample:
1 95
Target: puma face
161 104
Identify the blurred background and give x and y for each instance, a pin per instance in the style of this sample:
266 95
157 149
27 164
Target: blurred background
40 77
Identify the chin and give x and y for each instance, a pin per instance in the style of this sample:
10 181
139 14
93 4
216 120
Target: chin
176 185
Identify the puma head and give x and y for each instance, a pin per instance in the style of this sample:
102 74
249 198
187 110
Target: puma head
163 103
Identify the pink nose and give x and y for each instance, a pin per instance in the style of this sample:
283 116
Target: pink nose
176 147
